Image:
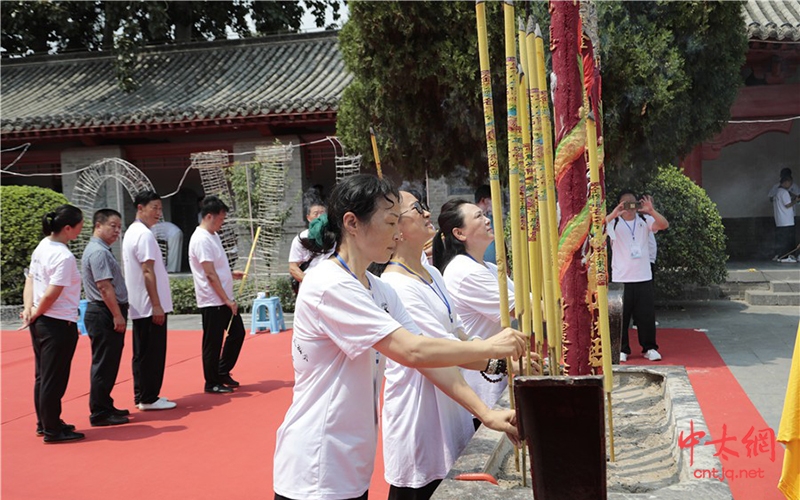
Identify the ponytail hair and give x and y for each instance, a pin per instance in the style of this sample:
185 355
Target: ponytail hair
445 244
61 217
358 194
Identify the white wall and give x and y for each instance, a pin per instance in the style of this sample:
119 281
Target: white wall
739 179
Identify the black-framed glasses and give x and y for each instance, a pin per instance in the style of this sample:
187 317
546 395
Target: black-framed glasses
420 207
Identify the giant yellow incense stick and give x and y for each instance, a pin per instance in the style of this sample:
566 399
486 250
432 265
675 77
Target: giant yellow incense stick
598 241
533 150
533 275
375 152
491 153
547 134
524 166
514 159
548 250
244 276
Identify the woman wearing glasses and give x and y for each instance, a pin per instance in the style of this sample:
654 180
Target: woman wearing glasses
458 248
345 321
424 430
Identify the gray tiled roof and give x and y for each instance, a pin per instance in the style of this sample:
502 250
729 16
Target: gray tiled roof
773 19
241 78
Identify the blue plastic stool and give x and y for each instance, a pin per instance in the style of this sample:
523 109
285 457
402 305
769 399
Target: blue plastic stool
267 314
81 312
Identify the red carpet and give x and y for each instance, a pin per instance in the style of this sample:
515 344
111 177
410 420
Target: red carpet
210 447
220 447
729 414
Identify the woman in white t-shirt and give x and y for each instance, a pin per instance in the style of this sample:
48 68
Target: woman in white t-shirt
346 320
424 430
51 298
458 248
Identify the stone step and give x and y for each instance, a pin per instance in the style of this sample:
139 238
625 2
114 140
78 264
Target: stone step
785 272
785 286
769 298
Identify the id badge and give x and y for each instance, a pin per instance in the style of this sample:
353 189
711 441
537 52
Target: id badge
636 253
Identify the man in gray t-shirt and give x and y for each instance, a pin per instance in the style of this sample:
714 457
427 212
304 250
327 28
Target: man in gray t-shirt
106 316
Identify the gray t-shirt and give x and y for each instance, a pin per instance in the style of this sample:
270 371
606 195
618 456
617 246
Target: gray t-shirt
98 264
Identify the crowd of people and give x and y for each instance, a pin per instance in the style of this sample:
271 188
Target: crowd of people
52 294
433 331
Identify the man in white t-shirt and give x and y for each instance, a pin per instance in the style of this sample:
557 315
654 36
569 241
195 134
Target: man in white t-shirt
793 189
150 300
213 286
630 225
783 209
302 259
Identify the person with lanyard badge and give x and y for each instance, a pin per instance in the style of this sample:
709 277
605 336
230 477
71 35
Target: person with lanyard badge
346 320
458 249
424 430
629 227
51 297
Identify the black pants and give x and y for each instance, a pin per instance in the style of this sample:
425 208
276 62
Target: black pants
784 239
423 493
362 497
54 342
149 359
106 355
638 302
215 321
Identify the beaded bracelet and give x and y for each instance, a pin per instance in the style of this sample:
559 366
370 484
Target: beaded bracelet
493 367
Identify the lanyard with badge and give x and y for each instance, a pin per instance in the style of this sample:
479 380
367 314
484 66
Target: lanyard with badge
438 291
636 250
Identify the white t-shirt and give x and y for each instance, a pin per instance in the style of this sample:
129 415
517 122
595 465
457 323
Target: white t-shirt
783 216
424 431
53 264
298 253
630 249
207 247
476 300
138 246
325 447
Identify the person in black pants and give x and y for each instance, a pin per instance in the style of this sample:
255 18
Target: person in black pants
150 301
51 297
630 226
106 316
213 285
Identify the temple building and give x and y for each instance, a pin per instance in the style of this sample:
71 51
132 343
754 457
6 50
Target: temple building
236 95
738 167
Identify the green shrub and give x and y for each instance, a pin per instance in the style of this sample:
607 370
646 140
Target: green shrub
184 300
692 250
21 211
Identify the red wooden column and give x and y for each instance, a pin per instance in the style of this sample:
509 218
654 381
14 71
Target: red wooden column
571 185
